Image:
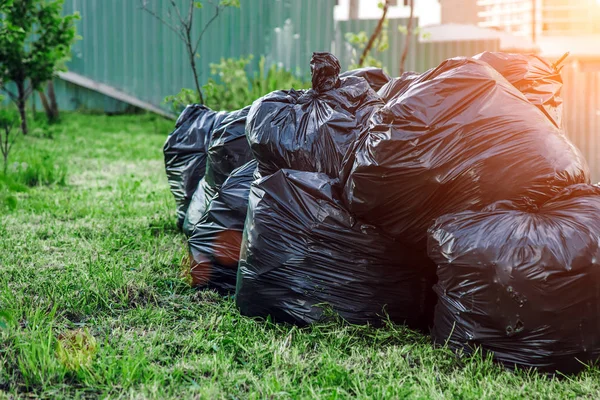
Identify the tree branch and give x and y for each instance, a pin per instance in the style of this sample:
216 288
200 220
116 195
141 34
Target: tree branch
158 17
12 142
12 95
375 34
217 11
181 20
190 21
28 91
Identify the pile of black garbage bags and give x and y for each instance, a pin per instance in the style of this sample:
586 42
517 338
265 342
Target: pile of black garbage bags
450 201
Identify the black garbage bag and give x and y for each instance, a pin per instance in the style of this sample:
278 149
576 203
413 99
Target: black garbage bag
396 86
216 239
311 130
522 284
228 149
533 76
375 77
460 137
301 249
185 153
198 205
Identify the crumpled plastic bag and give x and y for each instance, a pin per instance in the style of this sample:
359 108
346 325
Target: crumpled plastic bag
396 86
311 130
533 76
216 239
459 137
523 284
375 77
185 153
228 149
303 253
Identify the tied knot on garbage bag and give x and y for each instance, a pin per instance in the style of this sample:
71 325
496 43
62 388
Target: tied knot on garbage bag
311 130
325 69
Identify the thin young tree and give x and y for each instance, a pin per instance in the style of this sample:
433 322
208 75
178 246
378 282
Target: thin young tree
35 39
181 22
409 31
7 138
375 35
49 102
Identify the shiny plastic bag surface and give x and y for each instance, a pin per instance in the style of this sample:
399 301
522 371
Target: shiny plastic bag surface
228 149
375 77
522 284
311 130
215 242
533 76
396 86
302 249
459 137
185 153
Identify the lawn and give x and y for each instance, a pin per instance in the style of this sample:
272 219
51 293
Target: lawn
95 300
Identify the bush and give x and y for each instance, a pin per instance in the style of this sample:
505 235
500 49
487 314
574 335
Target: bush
234 89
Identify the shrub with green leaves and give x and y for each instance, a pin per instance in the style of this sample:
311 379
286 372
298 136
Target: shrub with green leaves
359 42
35 40
232 88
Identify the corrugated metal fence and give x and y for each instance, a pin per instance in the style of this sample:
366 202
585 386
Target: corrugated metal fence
421 55
130 50
581 95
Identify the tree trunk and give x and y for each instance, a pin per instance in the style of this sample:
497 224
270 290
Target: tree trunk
196 79
5 149
53 102
49 103
45 104
374 35
21 103
408 34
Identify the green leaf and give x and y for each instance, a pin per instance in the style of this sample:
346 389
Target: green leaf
197 4
230 3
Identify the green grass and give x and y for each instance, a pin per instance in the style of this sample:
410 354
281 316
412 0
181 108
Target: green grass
94 302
